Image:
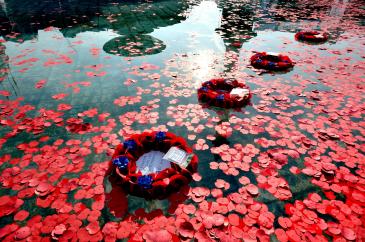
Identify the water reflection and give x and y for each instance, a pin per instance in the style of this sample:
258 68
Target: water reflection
329 16
5 71
124 17
134 45
212 37
236 23
332 22
4 63
236 28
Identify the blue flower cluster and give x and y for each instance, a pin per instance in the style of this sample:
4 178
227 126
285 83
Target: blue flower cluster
204 89
271 64
220 97
160 136
145 181
121 162
130 144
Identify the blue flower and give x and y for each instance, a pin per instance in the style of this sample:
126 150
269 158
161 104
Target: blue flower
160 136
145 181
272 65
121 162
259 61
130 144
204 89
220 97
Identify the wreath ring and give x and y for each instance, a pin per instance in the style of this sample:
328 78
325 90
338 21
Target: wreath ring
217 92
271 61
159 185
312 36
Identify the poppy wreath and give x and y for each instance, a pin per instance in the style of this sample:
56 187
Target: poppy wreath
265 61
311 36
154 185
216 92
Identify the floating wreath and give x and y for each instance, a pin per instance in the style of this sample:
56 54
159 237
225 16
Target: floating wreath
311 36
271 61
153 185
226 93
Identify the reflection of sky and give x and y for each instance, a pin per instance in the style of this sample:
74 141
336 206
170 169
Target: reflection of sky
202 22
198 29
3 5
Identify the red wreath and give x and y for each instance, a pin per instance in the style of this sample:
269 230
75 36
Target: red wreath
266 61
154 185
311 36
216 92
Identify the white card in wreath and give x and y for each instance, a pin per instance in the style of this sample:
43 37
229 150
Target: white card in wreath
319 36
178 156
152 162
272 53
240 92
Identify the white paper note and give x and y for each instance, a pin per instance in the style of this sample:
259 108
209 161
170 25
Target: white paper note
240 92
152 162
178 156
272 53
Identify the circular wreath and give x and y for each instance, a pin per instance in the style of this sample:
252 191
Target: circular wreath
311 36
271 62
216 92
154 185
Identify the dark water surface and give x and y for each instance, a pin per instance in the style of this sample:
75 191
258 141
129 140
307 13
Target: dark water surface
79 77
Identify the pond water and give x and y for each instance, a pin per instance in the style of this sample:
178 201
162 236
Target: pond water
77 78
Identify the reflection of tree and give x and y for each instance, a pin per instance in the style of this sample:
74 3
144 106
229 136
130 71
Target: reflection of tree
334 18
223 115
124 17
5 69
236 28
134 45
236 23
4 63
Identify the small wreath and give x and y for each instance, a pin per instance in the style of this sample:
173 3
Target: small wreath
312 36
153 185
219 93
271 61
